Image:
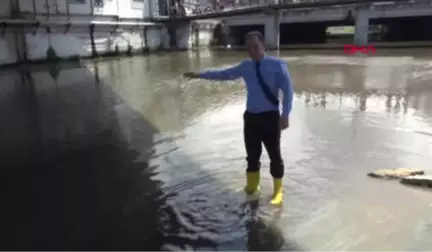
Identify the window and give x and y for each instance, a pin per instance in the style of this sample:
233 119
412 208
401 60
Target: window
99 3
137 4
76 1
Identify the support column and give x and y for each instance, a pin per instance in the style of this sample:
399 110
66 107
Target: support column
361 26
145 39
196 34
183 33
152 7
179 34
172 34
272 30
226 33
92 40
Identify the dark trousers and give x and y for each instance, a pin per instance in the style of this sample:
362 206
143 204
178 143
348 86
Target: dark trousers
263 128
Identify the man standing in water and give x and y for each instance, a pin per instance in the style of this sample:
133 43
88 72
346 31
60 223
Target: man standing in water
264 76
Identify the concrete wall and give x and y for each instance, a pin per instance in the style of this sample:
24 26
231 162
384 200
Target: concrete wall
8 52
78 43
287 17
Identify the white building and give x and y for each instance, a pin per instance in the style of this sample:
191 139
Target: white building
65 26
121 8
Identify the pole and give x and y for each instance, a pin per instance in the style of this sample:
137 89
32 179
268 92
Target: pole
47 8
92 7
34 8
93 44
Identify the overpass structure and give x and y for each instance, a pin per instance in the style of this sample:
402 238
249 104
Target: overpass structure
306 22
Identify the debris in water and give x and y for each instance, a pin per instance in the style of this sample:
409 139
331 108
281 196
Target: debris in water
422 180
395 173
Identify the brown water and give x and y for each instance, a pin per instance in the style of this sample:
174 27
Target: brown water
125 154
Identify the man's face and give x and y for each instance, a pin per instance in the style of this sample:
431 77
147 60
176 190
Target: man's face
255 47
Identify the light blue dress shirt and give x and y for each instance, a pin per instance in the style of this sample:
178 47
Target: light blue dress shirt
275 74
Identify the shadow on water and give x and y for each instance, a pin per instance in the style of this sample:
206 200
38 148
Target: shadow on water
67 171
70 179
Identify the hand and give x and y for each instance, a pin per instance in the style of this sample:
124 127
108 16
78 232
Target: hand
283 122
191 75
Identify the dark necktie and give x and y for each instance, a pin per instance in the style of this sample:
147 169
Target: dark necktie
263 85
258 72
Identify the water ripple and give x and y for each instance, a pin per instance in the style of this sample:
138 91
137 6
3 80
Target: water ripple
348 119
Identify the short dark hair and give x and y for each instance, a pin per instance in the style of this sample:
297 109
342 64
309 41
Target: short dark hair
257 34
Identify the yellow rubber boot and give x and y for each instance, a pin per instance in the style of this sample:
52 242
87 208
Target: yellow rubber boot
252 182
277 197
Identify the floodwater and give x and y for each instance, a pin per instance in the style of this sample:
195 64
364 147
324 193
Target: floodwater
125 154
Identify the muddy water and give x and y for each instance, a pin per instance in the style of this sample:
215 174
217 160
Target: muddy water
125 154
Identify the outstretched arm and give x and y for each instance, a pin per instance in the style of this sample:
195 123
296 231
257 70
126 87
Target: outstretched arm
284 80
231 73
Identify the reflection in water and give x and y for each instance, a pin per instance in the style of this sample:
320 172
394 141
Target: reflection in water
67 172
124 154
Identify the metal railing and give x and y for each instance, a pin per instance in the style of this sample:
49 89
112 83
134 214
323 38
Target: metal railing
203 7
200 7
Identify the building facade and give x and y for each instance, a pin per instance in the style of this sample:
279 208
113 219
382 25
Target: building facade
36 29
121 8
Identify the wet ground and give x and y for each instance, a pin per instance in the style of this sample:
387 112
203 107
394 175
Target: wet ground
125 154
